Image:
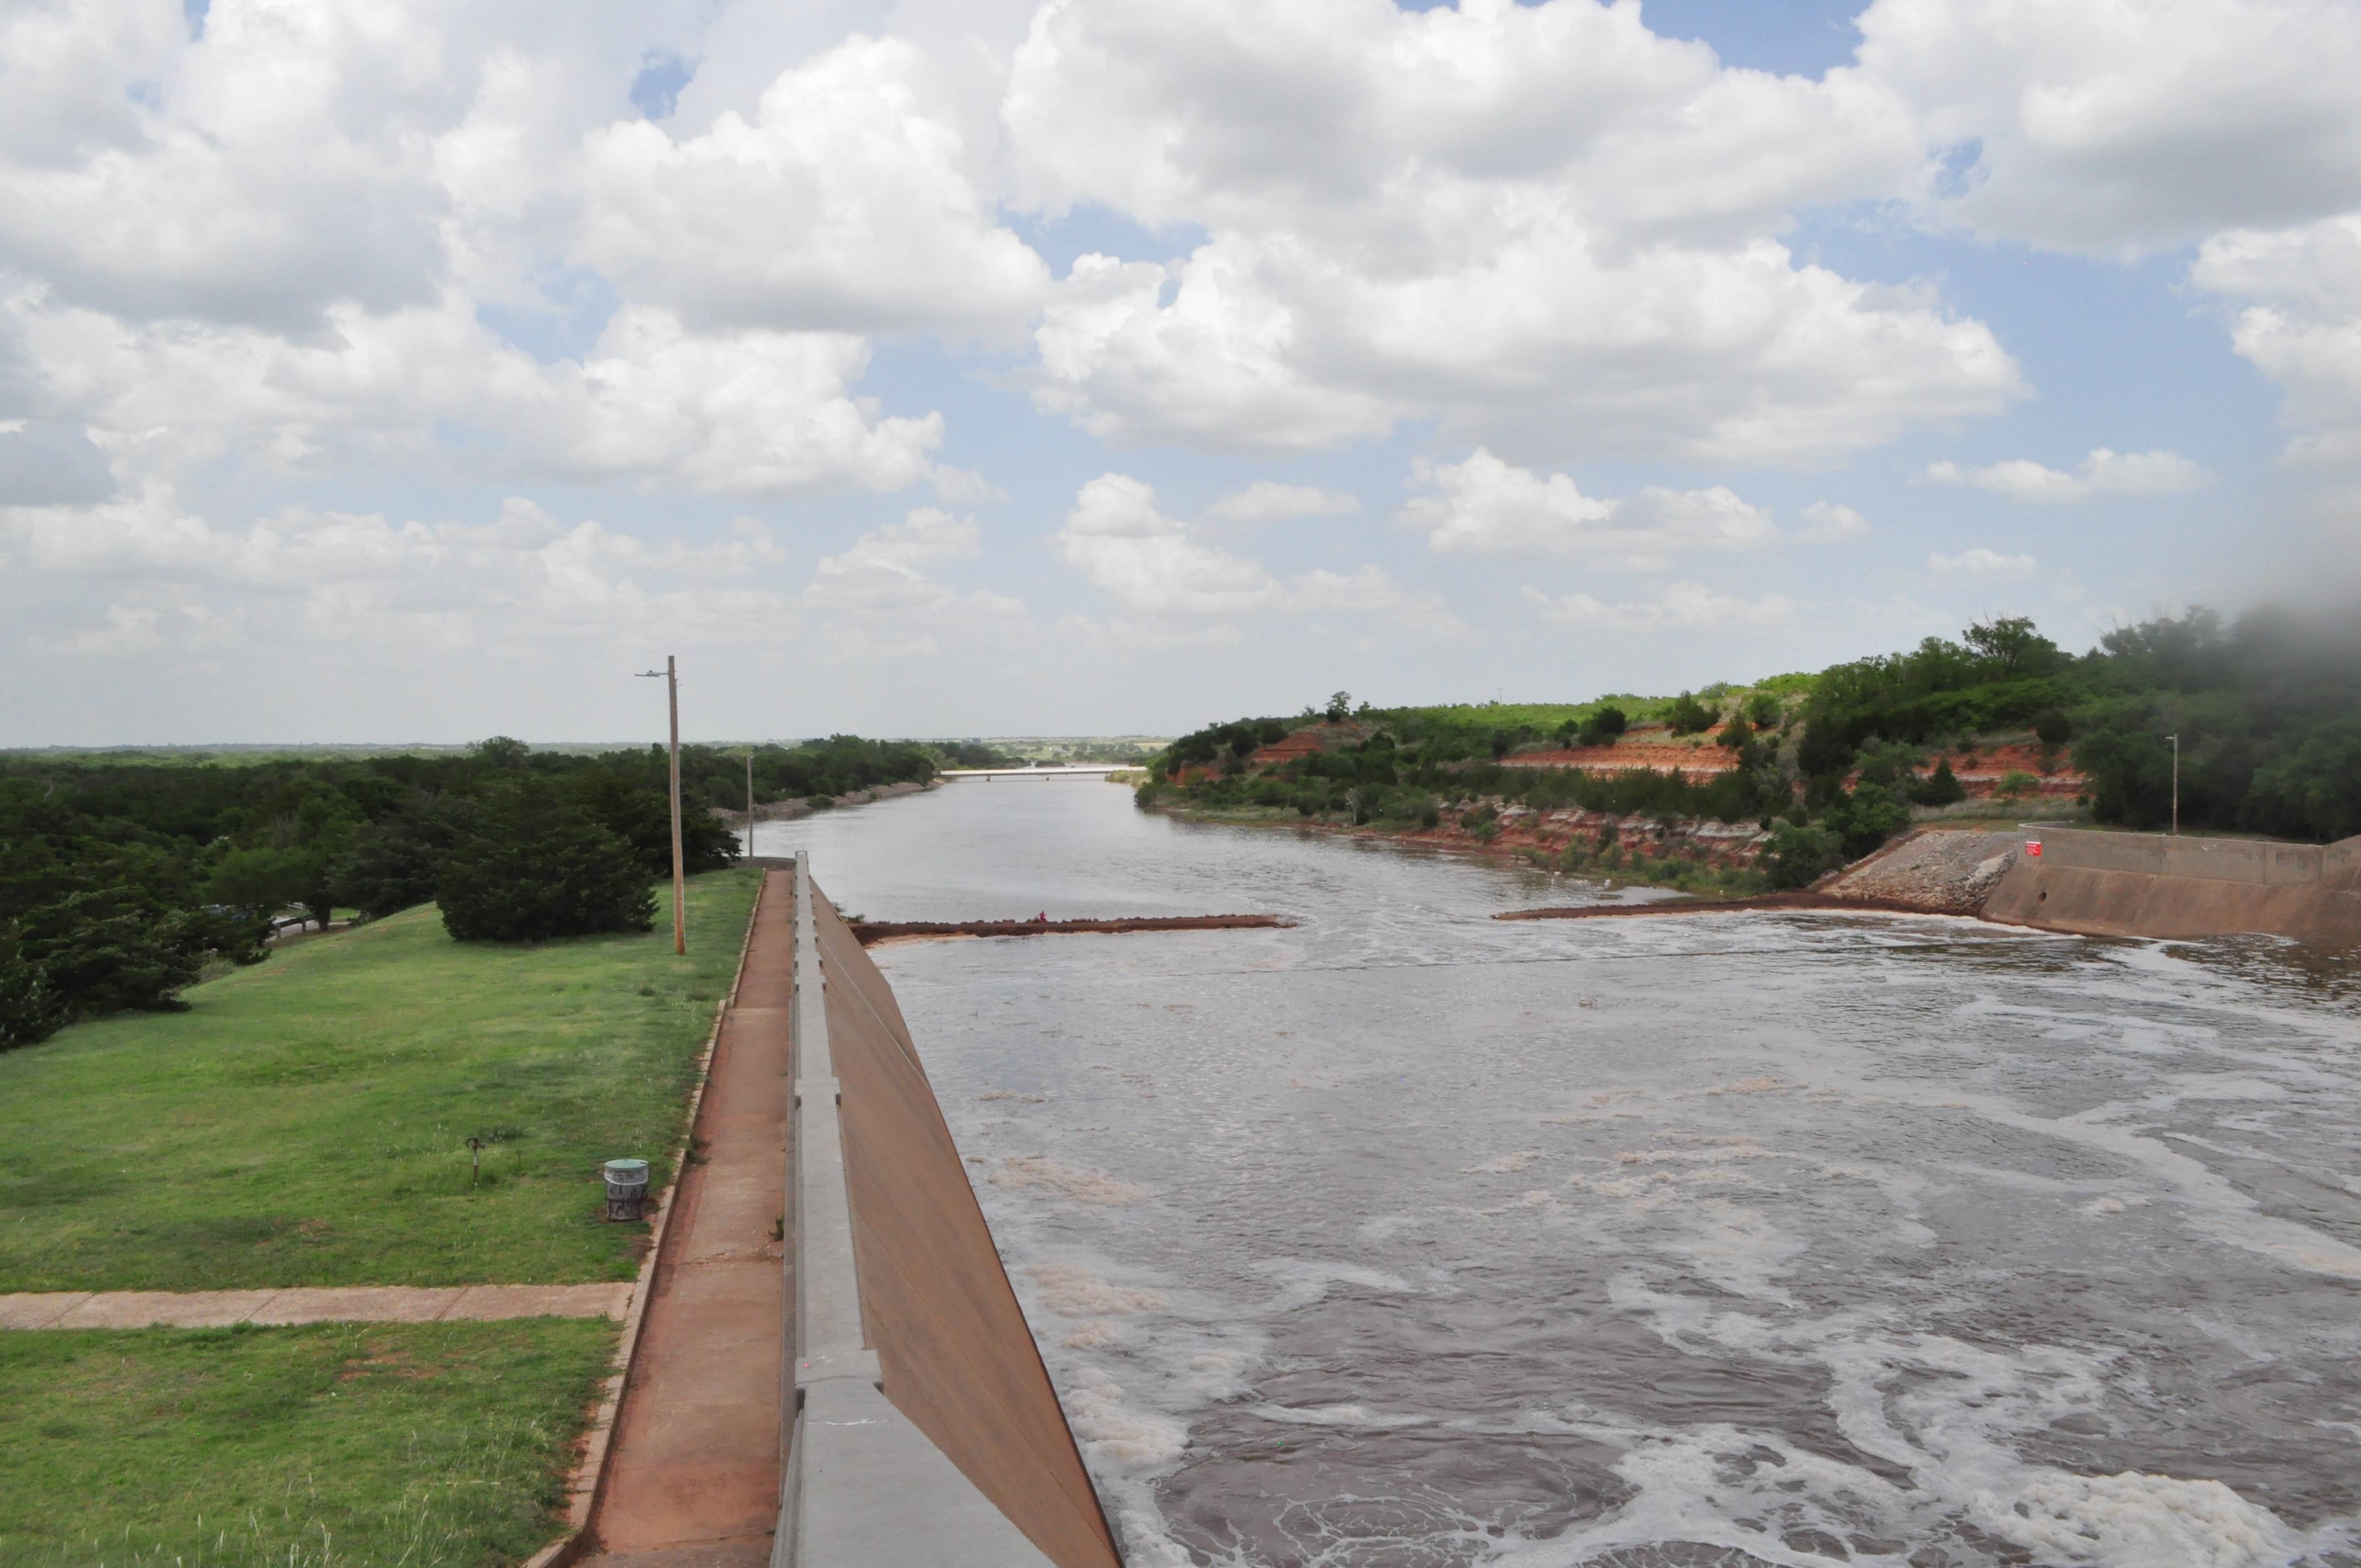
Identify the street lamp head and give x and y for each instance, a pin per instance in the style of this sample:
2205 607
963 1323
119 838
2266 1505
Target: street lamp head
649 676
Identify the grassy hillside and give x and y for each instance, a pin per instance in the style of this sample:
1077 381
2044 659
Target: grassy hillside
305 1120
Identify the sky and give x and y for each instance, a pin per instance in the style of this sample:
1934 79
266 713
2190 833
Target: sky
386 371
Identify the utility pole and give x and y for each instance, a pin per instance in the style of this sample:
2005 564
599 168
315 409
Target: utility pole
671 675
750 802
2176 784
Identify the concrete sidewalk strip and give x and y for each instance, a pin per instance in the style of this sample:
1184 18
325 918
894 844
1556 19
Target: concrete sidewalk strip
335 1304
38 1311
165 1310
483 1303
355 1304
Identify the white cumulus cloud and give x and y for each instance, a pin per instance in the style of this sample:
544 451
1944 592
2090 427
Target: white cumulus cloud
2300 324
1484 505
1677 606
1267 501
2103 473
844 203
745 412
514 585
1826 523
1982 562
1156 566
2126 125
1542 225
885 600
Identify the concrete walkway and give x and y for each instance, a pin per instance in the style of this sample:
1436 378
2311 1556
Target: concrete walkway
337 1304
693 1478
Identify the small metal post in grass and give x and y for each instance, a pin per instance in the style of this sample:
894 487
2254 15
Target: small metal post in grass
475 1159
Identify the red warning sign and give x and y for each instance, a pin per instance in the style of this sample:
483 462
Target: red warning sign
2033 847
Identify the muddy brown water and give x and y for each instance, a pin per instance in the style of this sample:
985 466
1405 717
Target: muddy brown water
1410 1236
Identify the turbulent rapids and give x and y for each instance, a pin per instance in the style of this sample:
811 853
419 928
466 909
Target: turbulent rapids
1406 1235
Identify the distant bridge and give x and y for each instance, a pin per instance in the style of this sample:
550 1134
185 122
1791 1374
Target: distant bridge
1058 771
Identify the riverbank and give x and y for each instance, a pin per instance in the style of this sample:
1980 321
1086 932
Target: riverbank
1695 855
2089 883
796 806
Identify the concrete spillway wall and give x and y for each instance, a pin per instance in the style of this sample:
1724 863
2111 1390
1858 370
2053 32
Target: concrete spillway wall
954 1346
923 1431
2126 885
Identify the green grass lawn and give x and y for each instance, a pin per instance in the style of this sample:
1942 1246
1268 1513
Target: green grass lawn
305 1122
325 1447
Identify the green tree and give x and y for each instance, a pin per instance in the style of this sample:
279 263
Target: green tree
1865 818
263 879
503 752
642 818
1604 726
395 865
534 866
1940 788
112 949
1340 707
29 1008
2131 775
1889 762
1797 855
2013 648
1688 716
2315 791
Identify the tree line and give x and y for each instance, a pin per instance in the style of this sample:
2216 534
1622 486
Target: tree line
121 881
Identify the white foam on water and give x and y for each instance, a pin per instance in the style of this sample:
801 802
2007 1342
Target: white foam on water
1741 1249
1761 1085
2211 1203
2134 1520
1950 1414
1071 1290
1716 1150
1651 1189
1079 1184
1303 1281
1503 1165
1113 1432
1338 1415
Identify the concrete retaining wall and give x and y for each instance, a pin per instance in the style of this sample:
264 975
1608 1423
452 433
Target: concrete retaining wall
2138 885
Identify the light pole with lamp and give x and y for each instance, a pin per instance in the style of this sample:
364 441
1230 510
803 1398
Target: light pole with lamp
670 676
2176 784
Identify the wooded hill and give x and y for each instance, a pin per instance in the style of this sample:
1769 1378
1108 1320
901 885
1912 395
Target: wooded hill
2267 711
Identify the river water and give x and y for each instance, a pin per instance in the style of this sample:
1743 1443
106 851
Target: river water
1411 1237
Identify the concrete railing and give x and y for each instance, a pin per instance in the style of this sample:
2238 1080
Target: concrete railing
863 1486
